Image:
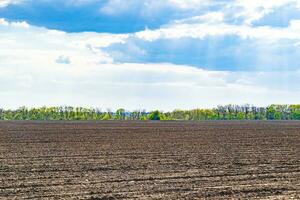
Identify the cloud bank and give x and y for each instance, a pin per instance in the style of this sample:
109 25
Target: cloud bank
149 54
30 75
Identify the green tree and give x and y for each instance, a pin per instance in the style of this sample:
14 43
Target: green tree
156 115
107 116
120 114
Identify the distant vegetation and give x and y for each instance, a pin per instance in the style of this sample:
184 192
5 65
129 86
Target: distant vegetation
228 112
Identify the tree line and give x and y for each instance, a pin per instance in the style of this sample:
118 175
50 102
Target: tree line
227 112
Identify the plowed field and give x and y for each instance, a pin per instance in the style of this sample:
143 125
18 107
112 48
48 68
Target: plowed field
150 160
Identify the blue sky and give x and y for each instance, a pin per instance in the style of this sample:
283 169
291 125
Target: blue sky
149 54
112 16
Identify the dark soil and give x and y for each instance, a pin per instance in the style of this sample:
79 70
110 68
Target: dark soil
150 160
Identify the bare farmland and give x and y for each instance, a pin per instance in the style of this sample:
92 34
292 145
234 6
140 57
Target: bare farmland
150 160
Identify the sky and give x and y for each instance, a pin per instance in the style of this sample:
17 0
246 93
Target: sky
149 54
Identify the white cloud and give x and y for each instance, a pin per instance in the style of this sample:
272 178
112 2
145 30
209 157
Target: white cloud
149 8
210 17
80 2
188 4
256 9
201 30
30 76
63 60
33 44
4 3
115 7
3 22
20 24
244 11
295 25
133 86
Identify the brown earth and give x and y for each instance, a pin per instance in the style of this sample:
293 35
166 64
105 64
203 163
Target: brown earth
150 160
